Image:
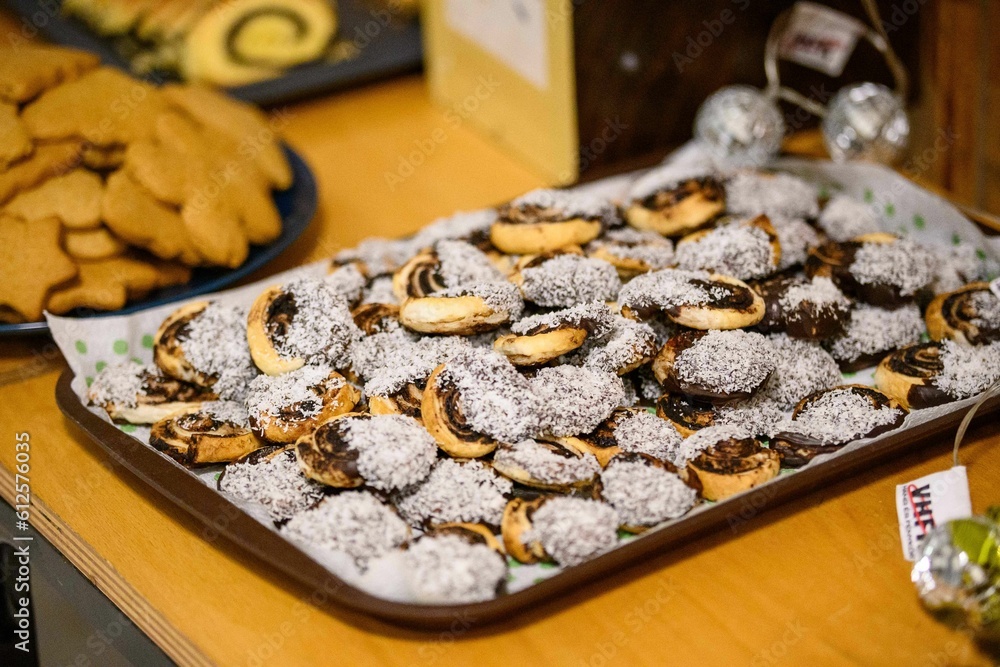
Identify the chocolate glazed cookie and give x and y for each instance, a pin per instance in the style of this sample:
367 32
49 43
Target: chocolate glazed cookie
201 438
733 465
802 318
441 409
837 261
325 455
907 375
798 449
969 315
678 208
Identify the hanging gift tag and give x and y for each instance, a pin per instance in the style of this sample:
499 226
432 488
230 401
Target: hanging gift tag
820 38
928 502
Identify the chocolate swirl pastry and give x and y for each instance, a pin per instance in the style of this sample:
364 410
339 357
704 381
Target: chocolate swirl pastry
601 442
373 318
538 339
542 346
270 317
686 414
419 277
733 465
441 410
326 456
461 312
646 491
271 476
902 276
803 309
546 220
168 348
970 315
515 529
715 302
546 464
242 41
143 395
908 374
679 207
632 251
406 401
318 397
744 249
712 379
203 437
474 299
827 420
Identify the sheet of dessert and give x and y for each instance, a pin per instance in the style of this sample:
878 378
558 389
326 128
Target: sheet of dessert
515 391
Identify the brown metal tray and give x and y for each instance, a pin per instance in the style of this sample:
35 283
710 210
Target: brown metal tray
206 505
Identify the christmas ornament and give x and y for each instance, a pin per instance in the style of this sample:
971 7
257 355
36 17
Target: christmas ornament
740 125
958 575
958 572
866 121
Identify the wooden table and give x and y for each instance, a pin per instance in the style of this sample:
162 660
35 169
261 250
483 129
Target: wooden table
820 582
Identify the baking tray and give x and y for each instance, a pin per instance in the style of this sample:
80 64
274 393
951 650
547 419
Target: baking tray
393 50
297 206
206 506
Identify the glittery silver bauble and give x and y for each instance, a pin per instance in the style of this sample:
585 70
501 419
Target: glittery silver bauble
866 121
958 575
740 125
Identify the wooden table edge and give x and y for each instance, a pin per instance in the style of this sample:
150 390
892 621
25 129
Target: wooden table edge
106 578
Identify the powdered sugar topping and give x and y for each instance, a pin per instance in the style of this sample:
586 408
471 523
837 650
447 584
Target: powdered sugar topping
574 399
394 451
447 569
729 362
570 280
736 249
643 494
574 530
457 491
352 522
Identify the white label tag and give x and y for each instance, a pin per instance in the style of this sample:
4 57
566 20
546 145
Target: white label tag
514 31
928 502
995 287
820 38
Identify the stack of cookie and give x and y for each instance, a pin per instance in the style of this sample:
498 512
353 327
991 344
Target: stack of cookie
111 188
531 380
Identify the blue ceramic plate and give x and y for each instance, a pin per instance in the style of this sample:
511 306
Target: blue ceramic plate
297 206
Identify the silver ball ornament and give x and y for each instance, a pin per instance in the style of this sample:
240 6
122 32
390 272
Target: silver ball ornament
866 121
741 126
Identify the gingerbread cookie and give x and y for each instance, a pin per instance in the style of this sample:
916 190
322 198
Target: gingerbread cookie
92 244
135 216
16 141
245 125
105 284
49 159
31 263
29 69
74 198
104 107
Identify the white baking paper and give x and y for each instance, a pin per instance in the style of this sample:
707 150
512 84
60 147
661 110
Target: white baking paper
90 344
